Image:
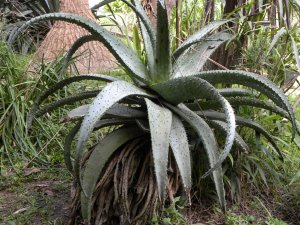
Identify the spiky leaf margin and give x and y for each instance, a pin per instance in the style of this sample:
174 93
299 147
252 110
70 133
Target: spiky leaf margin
180 148
160 121
207 137
111 94
254 81
192 88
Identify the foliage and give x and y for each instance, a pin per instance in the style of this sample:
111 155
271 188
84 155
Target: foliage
233 219
163 99
274 53
171 214
15 13
18 88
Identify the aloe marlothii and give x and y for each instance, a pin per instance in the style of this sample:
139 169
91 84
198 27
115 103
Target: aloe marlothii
163 99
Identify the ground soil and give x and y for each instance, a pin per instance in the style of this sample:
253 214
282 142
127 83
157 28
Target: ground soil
36 199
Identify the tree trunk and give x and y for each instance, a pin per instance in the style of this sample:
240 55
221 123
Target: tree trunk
150 6
230 5
272 14
94 57
209 11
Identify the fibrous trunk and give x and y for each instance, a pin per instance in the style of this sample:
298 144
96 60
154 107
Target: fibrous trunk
126 192
94 57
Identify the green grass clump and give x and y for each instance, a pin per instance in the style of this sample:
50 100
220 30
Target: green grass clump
18 89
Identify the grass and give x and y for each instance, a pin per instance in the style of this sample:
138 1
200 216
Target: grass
243 219
20 148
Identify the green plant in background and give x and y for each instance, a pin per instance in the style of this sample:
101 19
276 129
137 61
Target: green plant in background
11 82
168 100
234 219
18 88
15 13
274 53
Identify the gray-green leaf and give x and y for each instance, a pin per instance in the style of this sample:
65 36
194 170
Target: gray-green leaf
160 121
123 53
254 81
110 95
207 137
198 36
94 165
180 148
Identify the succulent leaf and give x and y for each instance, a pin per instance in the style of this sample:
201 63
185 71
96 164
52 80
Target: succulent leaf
117 110
75 114
113 122
144 125
123 53
254 81
213 115
207 137
238 140
145 22
102 3
100 124
234 92
149 38
76 45
191 89
94 165
239 101
160 121
67 146
194 59
123 111
70 100
111 94
163 50
61 84
140 12
148 33
197 37
180 148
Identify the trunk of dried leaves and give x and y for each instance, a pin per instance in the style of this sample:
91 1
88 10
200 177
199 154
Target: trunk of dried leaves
126 192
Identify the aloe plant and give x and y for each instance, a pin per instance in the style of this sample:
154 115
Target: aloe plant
165 99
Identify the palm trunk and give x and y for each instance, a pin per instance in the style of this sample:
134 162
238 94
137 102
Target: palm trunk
94 57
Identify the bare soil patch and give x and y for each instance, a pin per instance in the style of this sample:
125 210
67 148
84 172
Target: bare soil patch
36 199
